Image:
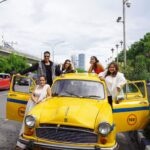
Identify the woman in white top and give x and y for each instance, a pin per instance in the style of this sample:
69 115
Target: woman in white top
114 80
39 94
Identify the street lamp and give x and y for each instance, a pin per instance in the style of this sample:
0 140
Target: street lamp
121 43
53 46
117 52
112 50
125 3
3 1
108 61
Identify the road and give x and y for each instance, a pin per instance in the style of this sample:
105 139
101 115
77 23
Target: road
9 130
3 95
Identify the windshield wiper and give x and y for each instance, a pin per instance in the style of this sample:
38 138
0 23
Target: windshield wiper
72 94
91 96
58 95
55 94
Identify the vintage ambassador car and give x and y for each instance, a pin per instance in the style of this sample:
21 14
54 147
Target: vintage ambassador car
78 116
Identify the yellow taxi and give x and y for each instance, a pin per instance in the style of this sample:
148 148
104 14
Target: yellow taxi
78 116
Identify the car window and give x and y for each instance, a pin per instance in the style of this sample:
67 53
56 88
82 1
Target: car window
22 84
4 76
130 88
78 88
1 76
131 91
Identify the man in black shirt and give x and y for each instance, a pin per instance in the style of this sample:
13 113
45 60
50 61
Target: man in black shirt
44 67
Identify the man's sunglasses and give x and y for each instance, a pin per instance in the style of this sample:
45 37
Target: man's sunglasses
68 62
46 56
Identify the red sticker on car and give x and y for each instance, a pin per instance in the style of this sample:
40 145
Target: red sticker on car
21 111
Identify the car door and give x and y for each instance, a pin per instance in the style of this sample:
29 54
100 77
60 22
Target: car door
6 81
132 111
2 81
18 97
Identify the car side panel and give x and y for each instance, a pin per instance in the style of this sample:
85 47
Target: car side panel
16 102
131 116
4 83
132 113
16 105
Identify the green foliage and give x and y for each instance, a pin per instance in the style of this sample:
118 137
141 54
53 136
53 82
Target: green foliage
80 70
138 60
140 70
12 63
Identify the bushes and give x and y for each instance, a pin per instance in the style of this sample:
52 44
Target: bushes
12 63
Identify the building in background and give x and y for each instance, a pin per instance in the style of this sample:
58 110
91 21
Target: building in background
81 61
74 60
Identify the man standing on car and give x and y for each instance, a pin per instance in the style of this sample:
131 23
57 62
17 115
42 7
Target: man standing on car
45 67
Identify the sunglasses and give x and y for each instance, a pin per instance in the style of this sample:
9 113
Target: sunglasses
42 80
68 63
46 56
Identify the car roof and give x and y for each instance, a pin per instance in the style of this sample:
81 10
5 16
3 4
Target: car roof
4 74
80 76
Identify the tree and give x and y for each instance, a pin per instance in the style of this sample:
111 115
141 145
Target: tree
138 59
140 70
80 70
3 64
13 63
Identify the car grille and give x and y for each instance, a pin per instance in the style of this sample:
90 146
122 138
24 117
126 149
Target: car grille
66 134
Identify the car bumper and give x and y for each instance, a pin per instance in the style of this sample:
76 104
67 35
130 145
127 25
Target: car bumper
32 144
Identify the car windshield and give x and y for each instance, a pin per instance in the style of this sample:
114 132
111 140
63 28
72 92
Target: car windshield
78 88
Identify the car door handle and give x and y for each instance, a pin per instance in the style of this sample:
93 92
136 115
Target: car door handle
12 95
142 102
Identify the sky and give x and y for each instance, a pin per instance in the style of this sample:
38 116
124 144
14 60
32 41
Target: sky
69 27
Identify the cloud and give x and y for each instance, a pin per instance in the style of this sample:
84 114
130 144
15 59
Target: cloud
87 26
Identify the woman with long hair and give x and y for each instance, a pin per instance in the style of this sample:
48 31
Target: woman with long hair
39 94
66 67
114 80
96 66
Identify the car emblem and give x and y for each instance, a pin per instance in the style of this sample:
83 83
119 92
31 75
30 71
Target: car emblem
67 110
65 119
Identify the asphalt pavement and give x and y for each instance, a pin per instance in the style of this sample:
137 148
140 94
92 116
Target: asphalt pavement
3 98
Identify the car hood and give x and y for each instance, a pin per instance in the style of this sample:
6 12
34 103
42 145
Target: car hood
70 111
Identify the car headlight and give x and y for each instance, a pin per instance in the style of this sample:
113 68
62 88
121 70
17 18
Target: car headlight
30 121
104 128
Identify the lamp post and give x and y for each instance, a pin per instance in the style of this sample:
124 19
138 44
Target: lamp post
112 50
3 1
117 46
53 46
123 20
108 61
121 43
